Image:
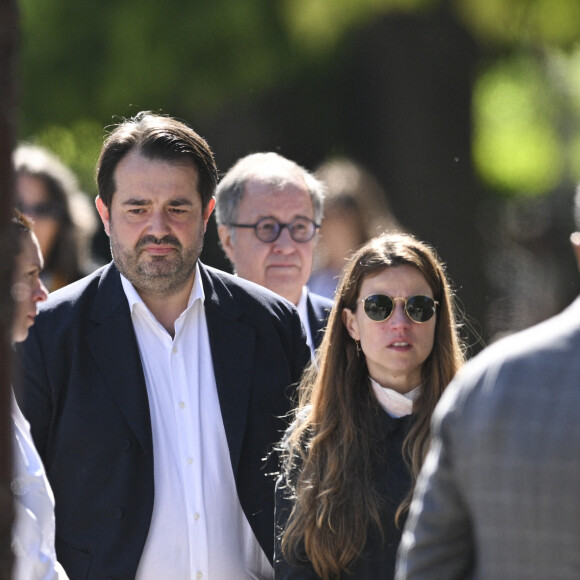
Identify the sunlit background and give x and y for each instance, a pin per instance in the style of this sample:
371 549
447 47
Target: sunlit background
466 111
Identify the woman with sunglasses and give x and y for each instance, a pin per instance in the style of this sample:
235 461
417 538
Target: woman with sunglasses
361 430
63 219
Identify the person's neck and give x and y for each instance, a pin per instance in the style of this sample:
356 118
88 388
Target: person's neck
167 308
294 297
401 384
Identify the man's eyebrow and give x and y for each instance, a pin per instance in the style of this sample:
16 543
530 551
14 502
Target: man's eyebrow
181 201
135 201
139 201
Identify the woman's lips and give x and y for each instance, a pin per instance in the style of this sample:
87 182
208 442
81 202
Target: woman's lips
400 345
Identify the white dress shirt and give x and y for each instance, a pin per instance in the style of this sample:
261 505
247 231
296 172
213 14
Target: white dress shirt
33 529
198 528
302 308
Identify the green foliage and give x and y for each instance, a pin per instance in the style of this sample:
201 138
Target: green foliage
99 59
515 146
84 63
318 26
527 123
520 22
78 147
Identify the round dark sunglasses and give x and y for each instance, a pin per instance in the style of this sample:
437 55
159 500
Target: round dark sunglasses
47 209
379 307
268 229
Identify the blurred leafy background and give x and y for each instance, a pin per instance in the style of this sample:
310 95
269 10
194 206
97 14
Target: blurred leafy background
467 111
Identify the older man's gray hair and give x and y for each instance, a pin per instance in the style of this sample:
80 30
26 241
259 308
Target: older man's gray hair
270 167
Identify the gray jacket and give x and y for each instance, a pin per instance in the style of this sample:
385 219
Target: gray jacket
499 494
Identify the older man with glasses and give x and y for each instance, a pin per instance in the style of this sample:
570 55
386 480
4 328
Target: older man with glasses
268 211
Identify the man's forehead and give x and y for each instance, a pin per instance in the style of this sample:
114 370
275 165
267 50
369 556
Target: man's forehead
276 175
276 186
261 198
136 163
140 177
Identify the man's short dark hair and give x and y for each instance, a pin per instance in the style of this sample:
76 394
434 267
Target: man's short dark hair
156 137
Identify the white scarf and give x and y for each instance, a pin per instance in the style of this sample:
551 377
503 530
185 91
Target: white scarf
394 403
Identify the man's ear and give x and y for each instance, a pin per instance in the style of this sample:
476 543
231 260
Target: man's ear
104 213
207 213
225 235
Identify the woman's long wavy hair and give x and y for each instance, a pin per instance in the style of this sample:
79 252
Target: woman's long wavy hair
331 446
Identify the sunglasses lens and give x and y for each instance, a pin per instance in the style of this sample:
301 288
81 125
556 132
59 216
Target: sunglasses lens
420 308
378 307
40 210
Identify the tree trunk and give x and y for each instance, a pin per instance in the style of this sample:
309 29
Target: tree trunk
412 89
8 116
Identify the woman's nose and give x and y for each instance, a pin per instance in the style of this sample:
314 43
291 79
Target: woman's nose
399 316
40 293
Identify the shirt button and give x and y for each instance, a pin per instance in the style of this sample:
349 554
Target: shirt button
189 460
181 405
199 574
174 350
196 516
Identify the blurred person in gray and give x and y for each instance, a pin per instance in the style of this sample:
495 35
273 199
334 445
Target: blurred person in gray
355 210
268 211
498 493
64 220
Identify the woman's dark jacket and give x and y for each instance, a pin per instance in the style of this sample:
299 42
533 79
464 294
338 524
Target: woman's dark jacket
378 558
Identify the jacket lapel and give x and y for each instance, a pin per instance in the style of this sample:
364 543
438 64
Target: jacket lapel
317 319
114 347
232 349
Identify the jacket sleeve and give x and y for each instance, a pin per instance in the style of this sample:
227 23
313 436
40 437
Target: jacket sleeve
33 392
437 542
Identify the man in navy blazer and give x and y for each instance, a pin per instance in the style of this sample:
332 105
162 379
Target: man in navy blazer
268 211
156 387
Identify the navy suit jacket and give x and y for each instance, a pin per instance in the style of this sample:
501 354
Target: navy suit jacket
319 308
83 390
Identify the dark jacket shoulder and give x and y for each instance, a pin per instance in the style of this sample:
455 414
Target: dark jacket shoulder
217 284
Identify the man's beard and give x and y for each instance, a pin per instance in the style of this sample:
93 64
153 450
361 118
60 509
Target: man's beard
161 275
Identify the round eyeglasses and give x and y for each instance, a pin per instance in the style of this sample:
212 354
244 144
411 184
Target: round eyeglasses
268 229
419 309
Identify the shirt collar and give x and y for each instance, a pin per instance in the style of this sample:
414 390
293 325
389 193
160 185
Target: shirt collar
302 308
302 305
133 297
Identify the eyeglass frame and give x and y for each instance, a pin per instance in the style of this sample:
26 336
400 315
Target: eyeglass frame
281 226
405 300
